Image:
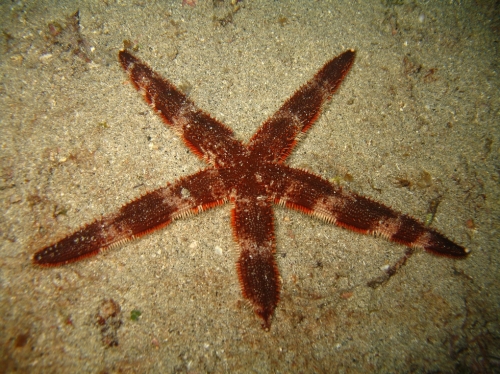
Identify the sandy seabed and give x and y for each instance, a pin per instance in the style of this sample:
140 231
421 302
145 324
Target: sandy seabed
414 124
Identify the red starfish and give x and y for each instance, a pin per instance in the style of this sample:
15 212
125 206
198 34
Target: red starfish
252 177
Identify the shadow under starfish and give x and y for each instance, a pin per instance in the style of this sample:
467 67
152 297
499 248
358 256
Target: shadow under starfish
252 177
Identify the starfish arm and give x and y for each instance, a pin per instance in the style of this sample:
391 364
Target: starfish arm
146 214
208 138
253 228
314 195
278 135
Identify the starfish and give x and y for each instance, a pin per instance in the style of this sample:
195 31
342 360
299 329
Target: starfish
252 177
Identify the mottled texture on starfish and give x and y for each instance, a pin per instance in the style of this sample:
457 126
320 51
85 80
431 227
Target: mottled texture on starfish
252 177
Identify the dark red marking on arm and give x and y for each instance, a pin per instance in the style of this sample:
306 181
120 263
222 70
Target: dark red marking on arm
253 228
311 194
277 136
147 213
208 138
